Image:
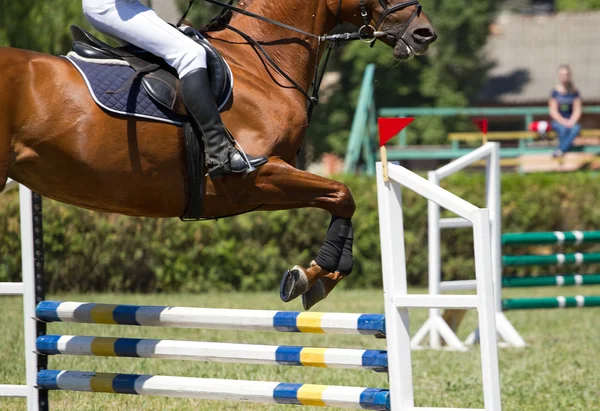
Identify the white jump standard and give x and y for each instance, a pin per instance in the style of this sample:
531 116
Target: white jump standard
436 327
442 328
32 290
397 300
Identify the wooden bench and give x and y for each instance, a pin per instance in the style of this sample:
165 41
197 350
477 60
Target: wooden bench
513 135
514 162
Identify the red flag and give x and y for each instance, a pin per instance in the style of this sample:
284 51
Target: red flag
482 123
389 127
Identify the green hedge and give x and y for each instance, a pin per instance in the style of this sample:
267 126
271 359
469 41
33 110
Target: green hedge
88 251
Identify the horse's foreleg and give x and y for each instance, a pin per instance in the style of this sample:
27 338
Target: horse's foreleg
280 186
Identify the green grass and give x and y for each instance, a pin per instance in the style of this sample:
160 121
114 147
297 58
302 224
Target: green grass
558 371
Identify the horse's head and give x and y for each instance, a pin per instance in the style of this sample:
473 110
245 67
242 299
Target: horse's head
399 24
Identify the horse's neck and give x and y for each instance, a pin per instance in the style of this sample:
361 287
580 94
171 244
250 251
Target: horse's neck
294 53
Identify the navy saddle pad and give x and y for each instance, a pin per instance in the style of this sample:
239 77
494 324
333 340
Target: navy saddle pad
109 83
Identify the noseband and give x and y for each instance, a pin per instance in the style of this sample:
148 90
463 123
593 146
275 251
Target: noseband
371 34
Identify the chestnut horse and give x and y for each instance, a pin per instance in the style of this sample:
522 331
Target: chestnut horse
55 140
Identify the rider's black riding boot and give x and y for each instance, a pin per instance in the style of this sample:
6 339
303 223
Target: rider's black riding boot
222 156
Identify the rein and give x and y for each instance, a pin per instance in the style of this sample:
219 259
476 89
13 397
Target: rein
367 33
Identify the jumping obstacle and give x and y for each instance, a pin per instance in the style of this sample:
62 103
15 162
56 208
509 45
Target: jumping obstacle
214 352
556 237
552 259
439 331
211 318
441 328
552 281
577 301
396 360
221 319
215 389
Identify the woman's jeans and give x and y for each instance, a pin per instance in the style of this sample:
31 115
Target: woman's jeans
566 136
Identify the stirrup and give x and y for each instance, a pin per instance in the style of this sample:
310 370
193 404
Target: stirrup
236 163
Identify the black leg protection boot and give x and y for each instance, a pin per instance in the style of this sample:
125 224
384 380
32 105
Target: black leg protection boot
222 156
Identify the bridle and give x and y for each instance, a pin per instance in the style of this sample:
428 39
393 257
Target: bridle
367 33
375 33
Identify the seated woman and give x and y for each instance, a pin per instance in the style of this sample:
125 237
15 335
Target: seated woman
565 110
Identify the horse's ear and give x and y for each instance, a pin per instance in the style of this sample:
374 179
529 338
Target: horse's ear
219 22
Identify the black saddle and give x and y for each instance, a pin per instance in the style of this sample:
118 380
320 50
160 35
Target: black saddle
158 78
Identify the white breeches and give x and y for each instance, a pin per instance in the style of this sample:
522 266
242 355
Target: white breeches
139 25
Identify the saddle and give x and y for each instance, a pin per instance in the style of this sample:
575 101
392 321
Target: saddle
161 83
158 78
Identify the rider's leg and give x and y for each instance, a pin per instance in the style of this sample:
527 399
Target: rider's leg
141 26
224 158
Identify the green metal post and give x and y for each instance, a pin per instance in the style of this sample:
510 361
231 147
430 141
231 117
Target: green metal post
360 122
528 121
403 138
369 146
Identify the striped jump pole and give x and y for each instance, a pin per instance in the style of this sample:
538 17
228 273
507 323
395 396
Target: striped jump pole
214 352
212 318
552 259
552 302
551 281
216 389
556 237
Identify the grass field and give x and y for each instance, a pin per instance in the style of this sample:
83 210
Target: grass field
558 371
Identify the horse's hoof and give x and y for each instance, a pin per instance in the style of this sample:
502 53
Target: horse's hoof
314 294
293 284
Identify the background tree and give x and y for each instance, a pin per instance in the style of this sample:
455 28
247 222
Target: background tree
557 5
577 5
40 25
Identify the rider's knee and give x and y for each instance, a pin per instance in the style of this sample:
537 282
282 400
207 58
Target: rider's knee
190 60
